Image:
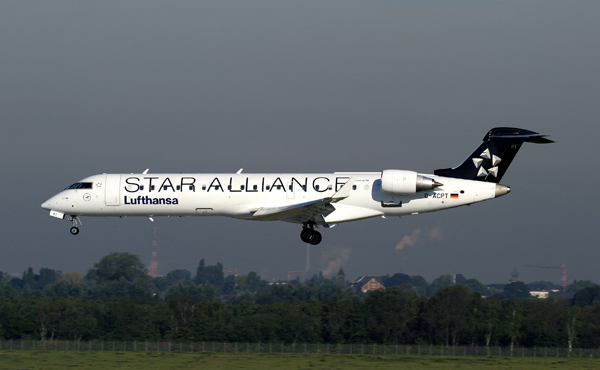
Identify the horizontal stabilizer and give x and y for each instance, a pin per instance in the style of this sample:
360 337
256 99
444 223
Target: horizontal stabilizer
535 138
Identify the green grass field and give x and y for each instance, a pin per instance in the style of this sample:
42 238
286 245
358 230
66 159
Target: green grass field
38 360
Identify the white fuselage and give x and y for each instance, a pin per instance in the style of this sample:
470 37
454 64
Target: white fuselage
309 199
241 195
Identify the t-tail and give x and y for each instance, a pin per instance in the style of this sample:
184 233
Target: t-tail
492 157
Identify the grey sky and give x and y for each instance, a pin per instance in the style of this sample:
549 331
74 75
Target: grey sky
93 87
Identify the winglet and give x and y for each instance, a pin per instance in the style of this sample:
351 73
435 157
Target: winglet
344 192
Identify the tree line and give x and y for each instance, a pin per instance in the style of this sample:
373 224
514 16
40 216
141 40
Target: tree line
118 300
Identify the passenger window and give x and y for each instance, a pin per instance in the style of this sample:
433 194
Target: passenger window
178 187
278 187
165 187
290 187
267 187
203 187
228 187
217 187
329 187
192 187
366 187
151 187
353 187
255 187
141 187
316 187
242 187
304 187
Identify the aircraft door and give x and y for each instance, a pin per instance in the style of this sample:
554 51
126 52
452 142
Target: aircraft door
112 190
289 191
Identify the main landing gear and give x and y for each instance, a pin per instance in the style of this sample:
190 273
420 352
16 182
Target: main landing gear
309 234
74 229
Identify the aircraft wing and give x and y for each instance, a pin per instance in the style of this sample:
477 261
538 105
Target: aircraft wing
315 210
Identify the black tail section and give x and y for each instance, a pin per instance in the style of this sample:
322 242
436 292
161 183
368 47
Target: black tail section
491 159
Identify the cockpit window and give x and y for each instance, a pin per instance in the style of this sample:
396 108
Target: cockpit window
81 185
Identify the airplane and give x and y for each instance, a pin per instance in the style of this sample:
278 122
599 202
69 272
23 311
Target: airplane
310 199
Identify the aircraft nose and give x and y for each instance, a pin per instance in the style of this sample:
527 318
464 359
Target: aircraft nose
47 204
50 202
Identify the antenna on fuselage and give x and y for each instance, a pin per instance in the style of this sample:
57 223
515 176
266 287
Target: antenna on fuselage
145 172
240 171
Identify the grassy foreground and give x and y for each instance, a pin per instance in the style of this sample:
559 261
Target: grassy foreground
148 361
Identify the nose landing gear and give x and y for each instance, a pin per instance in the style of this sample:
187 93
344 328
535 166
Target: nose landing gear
309 234
74 229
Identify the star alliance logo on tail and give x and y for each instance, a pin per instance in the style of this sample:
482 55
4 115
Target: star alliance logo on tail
491 171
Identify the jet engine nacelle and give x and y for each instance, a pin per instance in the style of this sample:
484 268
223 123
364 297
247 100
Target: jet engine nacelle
405 182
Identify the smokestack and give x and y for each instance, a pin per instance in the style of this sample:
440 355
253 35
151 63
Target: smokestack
153 270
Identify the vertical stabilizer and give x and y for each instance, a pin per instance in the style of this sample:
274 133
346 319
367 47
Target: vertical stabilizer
492 157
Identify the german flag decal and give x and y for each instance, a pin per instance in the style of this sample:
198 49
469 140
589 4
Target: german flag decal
453 196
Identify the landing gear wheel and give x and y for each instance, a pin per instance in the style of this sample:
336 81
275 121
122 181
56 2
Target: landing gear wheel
74 230
316 238
307 235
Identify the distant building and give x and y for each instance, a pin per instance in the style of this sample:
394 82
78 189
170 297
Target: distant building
367 284
341 279
541 294
554 293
